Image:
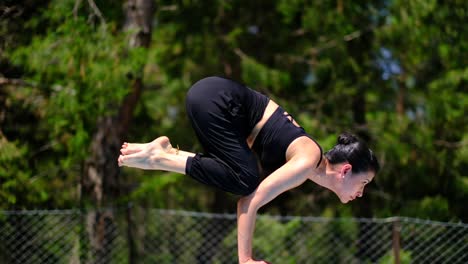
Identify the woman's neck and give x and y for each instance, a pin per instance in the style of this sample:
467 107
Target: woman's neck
324 176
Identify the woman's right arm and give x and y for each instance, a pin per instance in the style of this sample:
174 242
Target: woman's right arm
290 175
246 215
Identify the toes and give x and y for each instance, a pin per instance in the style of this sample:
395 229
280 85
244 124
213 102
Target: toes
129 150
127 160
124 151
121 160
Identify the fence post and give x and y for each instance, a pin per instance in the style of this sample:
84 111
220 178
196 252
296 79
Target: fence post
396 240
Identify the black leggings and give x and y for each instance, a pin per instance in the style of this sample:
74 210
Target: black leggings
223 113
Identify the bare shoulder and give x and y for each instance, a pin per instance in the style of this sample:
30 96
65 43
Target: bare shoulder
304 149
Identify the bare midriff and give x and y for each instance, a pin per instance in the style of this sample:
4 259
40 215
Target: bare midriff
269 110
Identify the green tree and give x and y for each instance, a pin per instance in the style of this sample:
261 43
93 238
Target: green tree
426 133
391 71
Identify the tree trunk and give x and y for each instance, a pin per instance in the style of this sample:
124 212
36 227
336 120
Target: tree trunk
100 182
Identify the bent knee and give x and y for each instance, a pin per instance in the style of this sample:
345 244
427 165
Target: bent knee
248 190
199 92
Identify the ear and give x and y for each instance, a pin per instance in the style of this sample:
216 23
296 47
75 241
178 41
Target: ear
346 169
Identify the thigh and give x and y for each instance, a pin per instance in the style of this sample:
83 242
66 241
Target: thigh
214 107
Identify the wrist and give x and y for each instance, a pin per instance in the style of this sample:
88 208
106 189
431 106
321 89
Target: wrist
244 260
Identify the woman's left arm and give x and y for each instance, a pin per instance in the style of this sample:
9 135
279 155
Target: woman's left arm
290 175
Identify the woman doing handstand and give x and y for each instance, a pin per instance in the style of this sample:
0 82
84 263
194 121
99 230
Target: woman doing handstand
255 149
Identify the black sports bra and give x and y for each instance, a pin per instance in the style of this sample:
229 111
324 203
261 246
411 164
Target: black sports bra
274 139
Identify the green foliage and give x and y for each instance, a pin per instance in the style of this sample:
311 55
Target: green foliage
428 208
19 187
389 258
260 75
272 234
427 138
78 73
156 184
392 71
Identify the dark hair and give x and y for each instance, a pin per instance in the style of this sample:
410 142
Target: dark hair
351 149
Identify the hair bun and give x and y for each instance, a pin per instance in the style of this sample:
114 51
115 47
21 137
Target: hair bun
347 139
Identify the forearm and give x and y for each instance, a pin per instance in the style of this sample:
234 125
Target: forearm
285 178
246 215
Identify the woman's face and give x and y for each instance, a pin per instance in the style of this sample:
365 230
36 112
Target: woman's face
351 185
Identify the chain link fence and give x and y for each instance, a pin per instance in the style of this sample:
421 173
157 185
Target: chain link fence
137 235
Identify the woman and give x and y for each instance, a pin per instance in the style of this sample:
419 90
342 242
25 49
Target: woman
246 136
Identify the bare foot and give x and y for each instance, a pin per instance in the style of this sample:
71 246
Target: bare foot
145 156
131 148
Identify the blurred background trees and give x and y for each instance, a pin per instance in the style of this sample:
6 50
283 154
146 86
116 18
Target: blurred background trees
393 72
